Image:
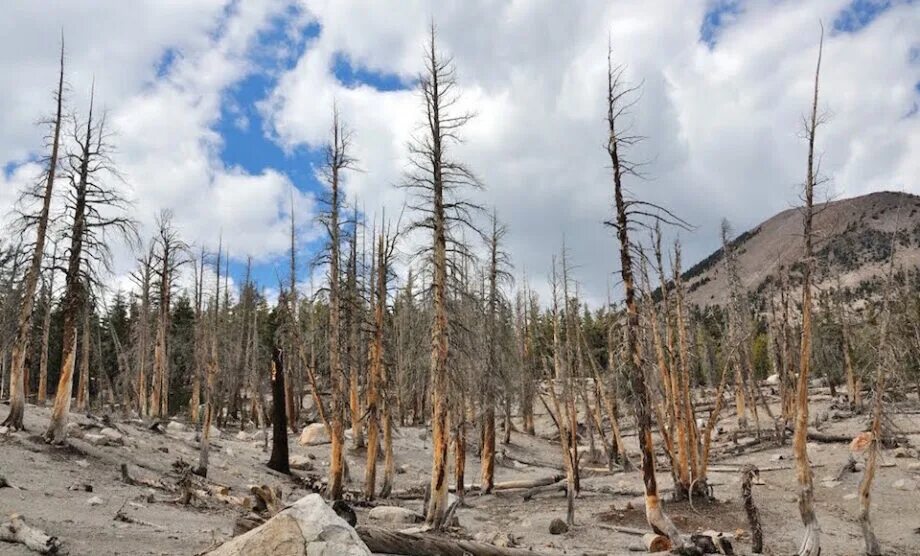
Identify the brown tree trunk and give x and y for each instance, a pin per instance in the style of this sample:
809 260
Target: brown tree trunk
811 543
22 343
75 296
655 515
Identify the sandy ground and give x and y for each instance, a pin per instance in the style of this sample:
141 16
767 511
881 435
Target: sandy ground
47 493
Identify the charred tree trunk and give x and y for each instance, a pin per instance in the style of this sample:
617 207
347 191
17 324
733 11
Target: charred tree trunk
279 459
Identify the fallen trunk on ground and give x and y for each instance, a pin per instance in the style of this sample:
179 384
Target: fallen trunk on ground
17 531
385 541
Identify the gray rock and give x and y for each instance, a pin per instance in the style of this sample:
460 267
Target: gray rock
301 463
557 527
314 435
95 501
308 528
394 514
113 435
175 426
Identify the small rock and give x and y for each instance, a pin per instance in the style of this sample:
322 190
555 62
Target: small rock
82 463
344 511
113 435
393 514
163 449
229 452
913 466
831 484
243 436
905 484
401 469
4 430
95 439
86 487
903 452
301 463
95 501
772 380
851 496
73 430
557 527
314 435
175 427
777 457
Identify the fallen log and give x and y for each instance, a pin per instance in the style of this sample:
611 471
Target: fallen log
656 543
17 531
558 486
748 474
385 541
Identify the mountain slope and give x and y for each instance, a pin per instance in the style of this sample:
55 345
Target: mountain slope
853 242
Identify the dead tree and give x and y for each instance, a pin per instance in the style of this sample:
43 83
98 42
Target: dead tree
627 213
811 543
337 160
168 256
353 310
48 297
93 214
212 369
885 361
279 459
498 262
23 339
143 278
378 401
436 180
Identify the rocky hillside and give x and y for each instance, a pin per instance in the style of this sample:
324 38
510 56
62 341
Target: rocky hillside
853 243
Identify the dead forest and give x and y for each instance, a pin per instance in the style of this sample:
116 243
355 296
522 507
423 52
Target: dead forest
419 396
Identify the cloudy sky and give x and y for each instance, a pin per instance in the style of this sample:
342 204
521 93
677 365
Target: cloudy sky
220 108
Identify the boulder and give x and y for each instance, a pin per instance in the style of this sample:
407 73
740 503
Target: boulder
309 527
772 380
394 515
301 463
314 435
243 436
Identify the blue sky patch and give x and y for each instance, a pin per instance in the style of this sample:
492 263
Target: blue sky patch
859 14
719 14
352 76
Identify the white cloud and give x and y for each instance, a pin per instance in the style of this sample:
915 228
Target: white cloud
722 123
163 118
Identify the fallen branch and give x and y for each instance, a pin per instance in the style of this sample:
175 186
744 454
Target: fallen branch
748 474
384 541
17 531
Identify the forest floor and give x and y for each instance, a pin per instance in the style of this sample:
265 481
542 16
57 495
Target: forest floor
117 518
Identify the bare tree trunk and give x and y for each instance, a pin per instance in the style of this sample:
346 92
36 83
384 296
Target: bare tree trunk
337 160
83 384
811 543
655 515
23 340
75 296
